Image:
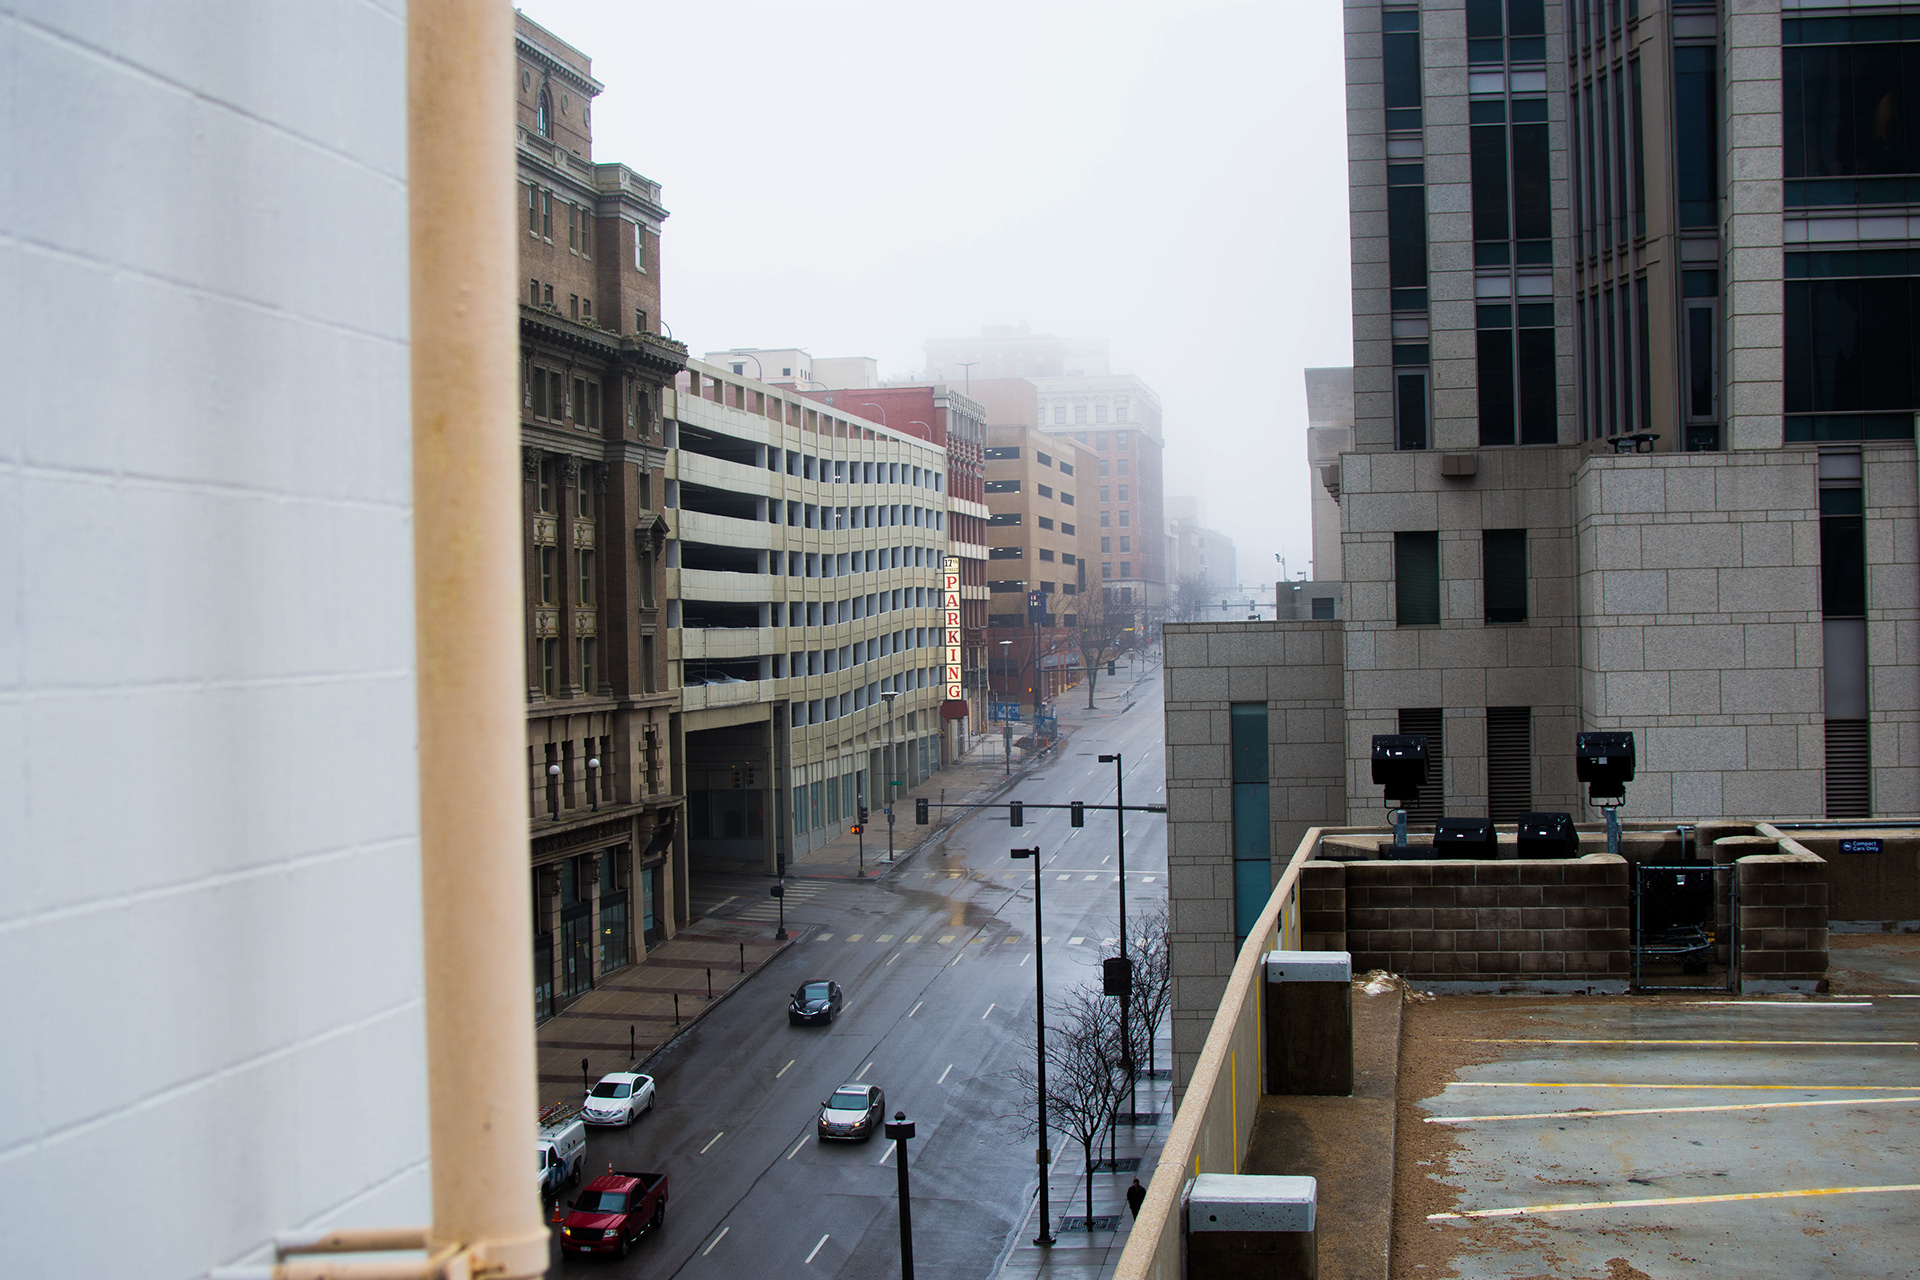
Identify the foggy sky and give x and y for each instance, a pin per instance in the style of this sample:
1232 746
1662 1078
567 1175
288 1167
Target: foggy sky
856 178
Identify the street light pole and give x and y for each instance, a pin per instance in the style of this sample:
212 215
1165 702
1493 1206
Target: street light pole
593 782
900 1129
1006 726
553 791
889 695
1126 997
1041 1156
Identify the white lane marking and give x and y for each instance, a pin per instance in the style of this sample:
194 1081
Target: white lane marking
1670 1111
1024 959
855 937
1146 879
816 1249
1074 942
782 1071
990 1009
915 1009
891 958
710 1141
943 1075
796 1148
823 937
716 1240
1669 1200
945 938
885 937
863 1071
1066 877
1092 877
1103 861
1791 1004
886 1156
915 937
1047 939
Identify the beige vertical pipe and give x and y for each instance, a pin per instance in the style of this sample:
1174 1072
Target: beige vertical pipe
470 651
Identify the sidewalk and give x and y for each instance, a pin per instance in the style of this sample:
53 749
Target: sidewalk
635 1006
1079 1253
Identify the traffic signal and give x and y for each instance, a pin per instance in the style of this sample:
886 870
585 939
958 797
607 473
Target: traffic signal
1116 976
736 777
1016 816
920 811
856 829
863 815
1079 814
1110 664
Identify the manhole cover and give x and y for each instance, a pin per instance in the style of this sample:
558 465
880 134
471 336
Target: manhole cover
1099 1221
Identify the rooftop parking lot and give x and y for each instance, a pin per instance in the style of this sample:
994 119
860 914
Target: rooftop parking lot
1620 1137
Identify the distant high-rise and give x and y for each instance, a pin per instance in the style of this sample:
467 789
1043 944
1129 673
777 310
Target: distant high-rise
1116 414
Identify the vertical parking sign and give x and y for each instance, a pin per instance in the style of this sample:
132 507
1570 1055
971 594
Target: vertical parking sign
950 594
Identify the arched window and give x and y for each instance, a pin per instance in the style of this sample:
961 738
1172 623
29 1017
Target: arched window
543 115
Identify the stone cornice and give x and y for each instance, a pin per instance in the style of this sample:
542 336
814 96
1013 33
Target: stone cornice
555 67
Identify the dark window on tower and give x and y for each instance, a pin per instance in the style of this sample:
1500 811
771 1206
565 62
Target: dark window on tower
1400 67
1416 579
1487 166
1532 194
1843 107
1516 373
1410 408
1843 554
1639 154
1503 563
1695 134
1407 237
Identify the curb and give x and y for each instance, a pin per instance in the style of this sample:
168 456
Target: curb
646 1064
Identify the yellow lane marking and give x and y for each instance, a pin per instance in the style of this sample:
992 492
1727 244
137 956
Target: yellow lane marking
1670 1200
1906 1044
1587 1084
1583 1113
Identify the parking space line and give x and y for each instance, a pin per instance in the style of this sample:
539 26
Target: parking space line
1669 1200
1582 1114
1595 1084
710 1141
816 1249
716 1240
1902 1044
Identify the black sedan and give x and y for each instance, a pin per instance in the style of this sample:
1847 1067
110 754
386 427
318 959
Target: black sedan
853 1113
815 1002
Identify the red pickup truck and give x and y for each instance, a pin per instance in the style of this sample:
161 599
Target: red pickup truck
613 1211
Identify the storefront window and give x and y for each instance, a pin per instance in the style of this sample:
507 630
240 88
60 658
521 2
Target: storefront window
613 932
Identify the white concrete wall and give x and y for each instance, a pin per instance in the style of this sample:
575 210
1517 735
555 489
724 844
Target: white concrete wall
211 928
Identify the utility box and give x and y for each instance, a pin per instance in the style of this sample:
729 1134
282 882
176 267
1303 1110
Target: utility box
1309 1022
1250 1227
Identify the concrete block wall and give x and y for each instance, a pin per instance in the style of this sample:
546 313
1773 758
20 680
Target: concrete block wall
1294 669
1783 921
1491 922
211 929
1701 631
1892 507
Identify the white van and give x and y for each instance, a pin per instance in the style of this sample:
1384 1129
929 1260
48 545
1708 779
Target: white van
563 1150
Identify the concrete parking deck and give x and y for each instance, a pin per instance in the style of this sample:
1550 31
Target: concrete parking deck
1649 1137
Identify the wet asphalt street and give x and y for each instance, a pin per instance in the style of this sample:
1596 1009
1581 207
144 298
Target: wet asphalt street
937 962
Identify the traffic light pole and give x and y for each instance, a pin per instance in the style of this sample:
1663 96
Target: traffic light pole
1126 996
1041 1156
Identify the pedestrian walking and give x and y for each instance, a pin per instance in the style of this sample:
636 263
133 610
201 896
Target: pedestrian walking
1136 1195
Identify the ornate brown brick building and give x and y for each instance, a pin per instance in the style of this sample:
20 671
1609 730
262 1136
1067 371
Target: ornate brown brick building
600 708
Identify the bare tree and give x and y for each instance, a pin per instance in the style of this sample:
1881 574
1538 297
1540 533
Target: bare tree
1190 594
1085 1080
1148 945
1102 627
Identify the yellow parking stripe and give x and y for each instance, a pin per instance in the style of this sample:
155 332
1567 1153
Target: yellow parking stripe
1669 1200
1670 1111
